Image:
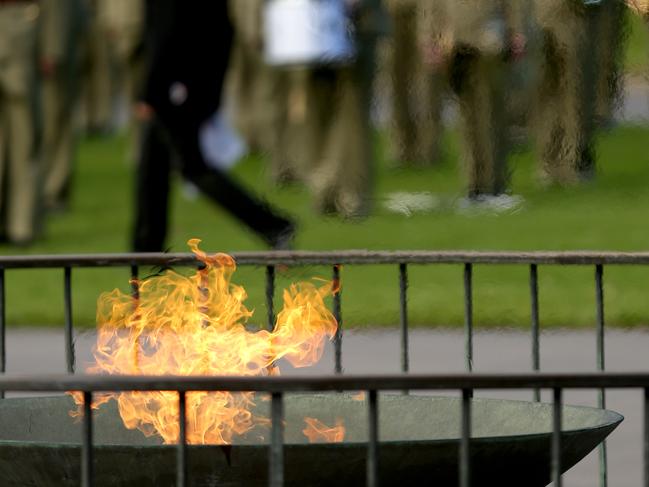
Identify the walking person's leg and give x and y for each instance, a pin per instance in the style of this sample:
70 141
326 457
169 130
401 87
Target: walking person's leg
276 230
152 190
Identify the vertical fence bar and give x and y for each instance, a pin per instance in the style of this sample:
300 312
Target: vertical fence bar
465 442
601 366
338 339
3 329
270 296
87 473
536 347
135 285
468 316
556 437
403 316
373 440
181 453
69 331
276 460
135 295
599 298
646 437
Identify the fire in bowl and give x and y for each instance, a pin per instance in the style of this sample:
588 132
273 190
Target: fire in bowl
40 444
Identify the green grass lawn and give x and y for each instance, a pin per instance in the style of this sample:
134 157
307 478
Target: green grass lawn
607 214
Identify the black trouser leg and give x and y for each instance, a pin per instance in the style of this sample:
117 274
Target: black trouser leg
224 191
152 190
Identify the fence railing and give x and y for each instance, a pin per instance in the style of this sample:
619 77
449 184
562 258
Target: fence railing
400 259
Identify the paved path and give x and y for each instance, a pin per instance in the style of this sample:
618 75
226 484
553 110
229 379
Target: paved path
41 350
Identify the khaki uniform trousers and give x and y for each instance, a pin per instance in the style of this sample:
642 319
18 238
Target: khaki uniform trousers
479 82
123 22
417 91
97 80
18 164
338 137
565 103
58 137
260 98
60 33
470 38
260 92
478 74
298 132
611 40
524 72
339 133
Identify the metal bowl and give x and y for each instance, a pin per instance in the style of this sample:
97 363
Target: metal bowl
419 444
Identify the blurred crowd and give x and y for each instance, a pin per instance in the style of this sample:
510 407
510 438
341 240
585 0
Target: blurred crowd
544 71
62 62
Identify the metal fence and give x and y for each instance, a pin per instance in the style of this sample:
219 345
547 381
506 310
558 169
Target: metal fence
278 386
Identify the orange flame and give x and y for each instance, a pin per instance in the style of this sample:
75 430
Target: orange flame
196 325
318 432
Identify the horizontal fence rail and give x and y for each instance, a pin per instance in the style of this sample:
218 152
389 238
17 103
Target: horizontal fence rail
356 257
389 382
372 384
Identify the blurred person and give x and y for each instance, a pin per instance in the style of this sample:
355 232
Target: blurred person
97 101
416 88
295 137
612 33
245 69
523 76
181 91
566 99
62 24
479 41
338 139
19 193
260 91
123 23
